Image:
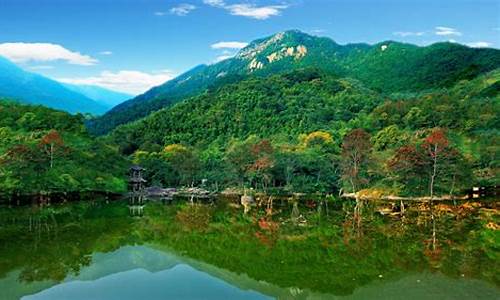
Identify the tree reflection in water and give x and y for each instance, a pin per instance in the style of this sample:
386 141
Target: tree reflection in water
298 245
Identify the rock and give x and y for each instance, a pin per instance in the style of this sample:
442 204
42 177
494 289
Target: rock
247 201
272 57
301 51
255 65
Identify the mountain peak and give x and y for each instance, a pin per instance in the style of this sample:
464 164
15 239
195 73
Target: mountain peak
290 43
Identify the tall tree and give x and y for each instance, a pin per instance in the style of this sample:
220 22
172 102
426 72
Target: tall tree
436 146
184 161
408 164
356 148
432 166
263 161
51 143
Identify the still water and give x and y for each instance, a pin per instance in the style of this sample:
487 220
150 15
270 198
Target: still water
100 250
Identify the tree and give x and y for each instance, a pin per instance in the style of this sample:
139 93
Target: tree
320 138
239 158
16 166
408 164
51 144
432 165
436 145
389 137
356 148
287 163
263 161
184 161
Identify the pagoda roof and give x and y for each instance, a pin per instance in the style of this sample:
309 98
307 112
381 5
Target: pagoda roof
137 179
137 168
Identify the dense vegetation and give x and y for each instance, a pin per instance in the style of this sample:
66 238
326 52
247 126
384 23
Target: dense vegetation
46 151
390 118
309 131
388 67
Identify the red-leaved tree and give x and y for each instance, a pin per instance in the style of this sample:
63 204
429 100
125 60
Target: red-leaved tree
356 148
436 146
51 143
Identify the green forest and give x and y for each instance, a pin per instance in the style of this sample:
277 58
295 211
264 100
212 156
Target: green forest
46 151
290 113
249 149
309 131
303 131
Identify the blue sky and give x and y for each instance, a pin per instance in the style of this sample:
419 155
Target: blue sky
131 45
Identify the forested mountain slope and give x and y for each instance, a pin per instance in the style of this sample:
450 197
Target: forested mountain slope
386 67
292 103
294 130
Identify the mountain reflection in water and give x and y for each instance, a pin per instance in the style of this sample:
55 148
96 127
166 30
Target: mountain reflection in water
139 272
96 250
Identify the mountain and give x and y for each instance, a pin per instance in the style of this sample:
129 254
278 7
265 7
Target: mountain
290 104
32 88
387 67
287 104
290 129
99 94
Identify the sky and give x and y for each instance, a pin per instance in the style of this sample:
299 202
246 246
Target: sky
132 45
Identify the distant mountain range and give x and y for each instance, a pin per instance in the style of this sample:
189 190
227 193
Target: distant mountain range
103 96
386 67
26 87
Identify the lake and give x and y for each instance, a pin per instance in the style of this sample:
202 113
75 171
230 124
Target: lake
108 250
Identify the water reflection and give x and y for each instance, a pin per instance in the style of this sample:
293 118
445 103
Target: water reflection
140 272
296 250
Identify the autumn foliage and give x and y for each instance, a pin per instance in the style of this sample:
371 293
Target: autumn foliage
433 162
356 148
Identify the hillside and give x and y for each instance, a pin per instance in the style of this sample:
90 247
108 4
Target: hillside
30 88
291 130
45 150
290 104
386 67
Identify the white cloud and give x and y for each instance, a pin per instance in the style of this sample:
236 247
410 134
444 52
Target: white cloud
317 31
182 9
105 53
159 13
408 33
134 82
479 44
41 67
228 49
441 30
229 45
223 57
252 11
23 52
248 10
219 3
